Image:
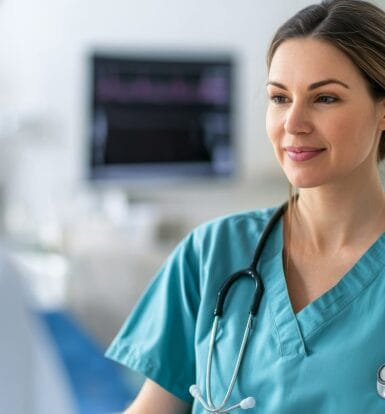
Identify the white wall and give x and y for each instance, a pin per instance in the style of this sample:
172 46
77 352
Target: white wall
43 49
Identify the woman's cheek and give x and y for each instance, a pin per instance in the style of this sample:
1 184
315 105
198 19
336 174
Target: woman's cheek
273 130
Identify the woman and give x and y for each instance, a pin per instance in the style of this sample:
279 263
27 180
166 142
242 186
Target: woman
318 337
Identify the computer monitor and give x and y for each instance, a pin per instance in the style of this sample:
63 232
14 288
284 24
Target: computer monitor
161 117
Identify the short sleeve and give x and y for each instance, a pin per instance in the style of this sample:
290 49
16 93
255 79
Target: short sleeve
157 340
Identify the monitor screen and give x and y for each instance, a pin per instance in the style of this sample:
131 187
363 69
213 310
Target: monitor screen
160 116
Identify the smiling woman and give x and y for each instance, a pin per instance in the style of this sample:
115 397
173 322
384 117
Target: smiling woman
326 120
319 268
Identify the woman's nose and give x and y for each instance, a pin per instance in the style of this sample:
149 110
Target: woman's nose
297 120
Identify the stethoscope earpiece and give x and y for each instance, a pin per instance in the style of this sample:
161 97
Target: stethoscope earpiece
247 403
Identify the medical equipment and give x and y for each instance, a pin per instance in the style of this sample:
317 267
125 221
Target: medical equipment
381 381
252 272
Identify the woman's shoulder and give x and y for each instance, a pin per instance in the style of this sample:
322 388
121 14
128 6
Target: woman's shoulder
233 224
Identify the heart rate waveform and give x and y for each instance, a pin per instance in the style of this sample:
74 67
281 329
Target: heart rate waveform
209 89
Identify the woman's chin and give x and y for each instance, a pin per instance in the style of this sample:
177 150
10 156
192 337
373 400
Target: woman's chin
304 182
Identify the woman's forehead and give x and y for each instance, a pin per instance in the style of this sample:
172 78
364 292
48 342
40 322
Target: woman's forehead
309 60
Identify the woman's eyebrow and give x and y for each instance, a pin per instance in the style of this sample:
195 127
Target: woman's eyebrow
312 86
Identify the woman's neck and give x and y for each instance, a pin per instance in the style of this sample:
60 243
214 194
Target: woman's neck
331 217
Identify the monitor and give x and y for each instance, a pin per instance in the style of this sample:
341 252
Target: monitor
160 116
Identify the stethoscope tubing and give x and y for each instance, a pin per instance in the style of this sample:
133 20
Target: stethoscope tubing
218 312
234 377
266 233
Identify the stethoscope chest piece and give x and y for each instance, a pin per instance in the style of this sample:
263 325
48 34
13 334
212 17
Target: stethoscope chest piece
381 381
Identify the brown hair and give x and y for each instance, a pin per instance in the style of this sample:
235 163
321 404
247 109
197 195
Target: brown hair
355 27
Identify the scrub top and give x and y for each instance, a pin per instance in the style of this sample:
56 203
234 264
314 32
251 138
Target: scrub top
324 359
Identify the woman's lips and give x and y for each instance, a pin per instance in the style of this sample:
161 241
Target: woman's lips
302 153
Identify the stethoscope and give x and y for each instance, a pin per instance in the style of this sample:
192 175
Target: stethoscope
251 271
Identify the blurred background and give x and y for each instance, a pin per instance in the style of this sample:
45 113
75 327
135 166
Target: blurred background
122 126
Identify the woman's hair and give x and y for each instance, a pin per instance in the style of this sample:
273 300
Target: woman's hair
355 27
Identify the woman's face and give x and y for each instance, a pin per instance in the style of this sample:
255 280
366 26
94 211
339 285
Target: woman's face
322 122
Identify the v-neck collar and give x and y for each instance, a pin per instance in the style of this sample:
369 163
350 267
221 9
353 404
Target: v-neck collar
294 329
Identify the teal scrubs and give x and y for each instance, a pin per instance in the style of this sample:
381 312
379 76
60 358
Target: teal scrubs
323 359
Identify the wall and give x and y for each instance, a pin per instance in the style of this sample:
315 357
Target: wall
43 73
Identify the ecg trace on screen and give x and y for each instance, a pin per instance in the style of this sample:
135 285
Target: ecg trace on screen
209 89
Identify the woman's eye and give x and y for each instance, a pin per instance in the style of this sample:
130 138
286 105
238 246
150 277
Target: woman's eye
326 99
278 99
